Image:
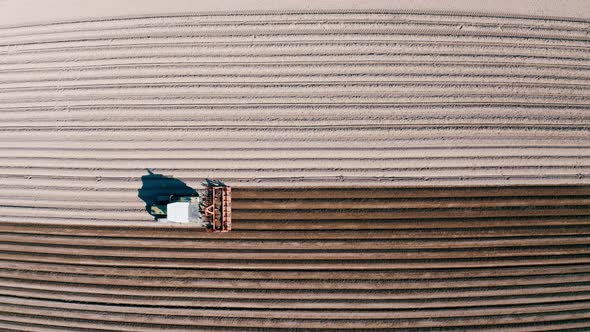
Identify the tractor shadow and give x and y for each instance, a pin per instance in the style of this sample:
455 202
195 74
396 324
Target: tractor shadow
158 185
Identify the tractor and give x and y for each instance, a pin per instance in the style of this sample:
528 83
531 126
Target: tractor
210 209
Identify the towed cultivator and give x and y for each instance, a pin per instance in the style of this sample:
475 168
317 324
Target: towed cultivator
210 209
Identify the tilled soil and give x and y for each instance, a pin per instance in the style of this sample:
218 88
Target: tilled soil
453 150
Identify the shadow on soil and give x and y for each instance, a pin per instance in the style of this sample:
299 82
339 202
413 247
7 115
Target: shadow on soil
158 185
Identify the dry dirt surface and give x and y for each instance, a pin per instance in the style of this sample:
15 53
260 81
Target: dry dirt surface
348 99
